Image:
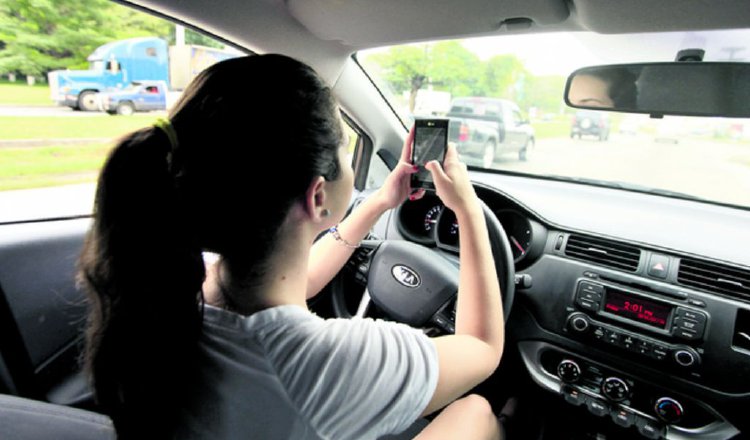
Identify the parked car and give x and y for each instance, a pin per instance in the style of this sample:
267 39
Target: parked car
630 269
590 123
488 127
140 96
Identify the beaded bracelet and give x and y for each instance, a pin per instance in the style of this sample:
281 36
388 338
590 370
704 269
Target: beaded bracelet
337 236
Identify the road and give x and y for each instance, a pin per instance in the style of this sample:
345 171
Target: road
51 110
709 169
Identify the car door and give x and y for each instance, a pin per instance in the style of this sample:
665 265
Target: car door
148 98
47 188
515 133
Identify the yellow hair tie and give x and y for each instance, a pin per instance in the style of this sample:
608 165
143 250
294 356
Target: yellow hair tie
166 126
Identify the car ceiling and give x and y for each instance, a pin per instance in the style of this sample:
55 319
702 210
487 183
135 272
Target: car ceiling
325 32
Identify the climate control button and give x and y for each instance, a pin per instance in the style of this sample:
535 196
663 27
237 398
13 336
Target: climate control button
615 389
668 410
568 371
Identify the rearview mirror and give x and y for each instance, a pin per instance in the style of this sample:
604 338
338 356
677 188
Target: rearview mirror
679 88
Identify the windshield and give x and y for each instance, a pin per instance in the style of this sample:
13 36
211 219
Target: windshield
504 96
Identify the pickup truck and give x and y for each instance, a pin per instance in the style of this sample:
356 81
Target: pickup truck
139 96
488 127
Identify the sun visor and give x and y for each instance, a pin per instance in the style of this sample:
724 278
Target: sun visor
618 16
362 23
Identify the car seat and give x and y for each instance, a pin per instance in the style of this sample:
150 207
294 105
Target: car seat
25 419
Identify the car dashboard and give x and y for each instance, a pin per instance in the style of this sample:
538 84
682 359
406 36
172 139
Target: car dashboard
633 307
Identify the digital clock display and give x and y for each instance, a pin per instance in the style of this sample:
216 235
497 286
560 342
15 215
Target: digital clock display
637 309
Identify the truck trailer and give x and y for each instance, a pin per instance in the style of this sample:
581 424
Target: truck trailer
115 66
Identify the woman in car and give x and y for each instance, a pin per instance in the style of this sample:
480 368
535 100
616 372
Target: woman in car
251 166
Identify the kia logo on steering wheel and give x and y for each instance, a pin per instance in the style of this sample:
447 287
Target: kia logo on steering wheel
406 276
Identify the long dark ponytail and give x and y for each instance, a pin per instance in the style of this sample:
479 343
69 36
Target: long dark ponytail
252 133
145 273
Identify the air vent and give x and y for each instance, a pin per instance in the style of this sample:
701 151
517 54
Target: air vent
603 252
715 278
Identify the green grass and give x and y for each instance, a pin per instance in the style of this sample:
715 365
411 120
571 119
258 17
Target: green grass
51 127
559 127
50 166
742 160
19 93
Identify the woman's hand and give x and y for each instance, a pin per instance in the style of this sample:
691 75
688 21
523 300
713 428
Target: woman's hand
452 183
397 186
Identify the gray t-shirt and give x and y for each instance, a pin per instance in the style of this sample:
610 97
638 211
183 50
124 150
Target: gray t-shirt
284 373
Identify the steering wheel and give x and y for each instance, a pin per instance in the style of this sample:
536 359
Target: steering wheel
415 285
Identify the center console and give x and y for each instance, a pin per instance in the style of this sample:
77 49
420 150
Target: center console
650 357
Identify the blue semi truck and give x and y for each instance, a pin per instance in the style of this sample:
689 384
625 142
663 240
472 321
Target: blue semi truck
116 65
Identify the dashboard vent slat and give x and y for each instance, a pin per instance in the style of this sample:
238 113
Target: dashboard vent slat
715 277
604 252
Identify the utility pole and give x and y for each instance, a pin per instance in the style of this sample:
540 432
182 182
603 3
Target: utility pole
733 50
179 35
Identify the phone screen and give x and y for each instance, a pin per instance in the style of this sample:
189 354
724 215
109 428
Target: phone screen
430 142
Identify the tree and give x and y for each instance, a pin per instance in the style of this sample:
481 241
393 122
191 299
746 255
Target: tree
544 93
37 36
43 35
501 76
132 23
449 66
404 67
446 66
454 68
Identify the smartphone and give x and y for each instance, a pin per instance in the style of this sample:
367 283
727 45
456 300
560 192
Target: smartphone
430 143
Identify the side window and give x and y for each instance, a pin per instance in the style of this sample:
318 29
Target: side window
377 171
54 132
517 118
353 142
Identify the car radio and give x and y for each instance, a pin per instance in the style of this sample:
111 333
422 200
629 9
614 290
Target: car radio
638 323
613 303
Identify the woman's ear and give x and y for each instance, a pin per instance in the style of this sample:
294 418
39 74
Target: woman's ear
315 198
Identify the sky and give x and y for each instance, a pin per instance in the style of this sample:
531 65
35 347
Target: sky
561 53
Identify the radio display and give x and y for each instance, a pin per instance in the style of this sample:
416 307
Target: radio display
637 309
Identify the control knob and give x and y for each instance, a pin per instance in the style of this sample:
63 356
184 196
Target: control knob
615 389
686 357
578 322
668 410
568 371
